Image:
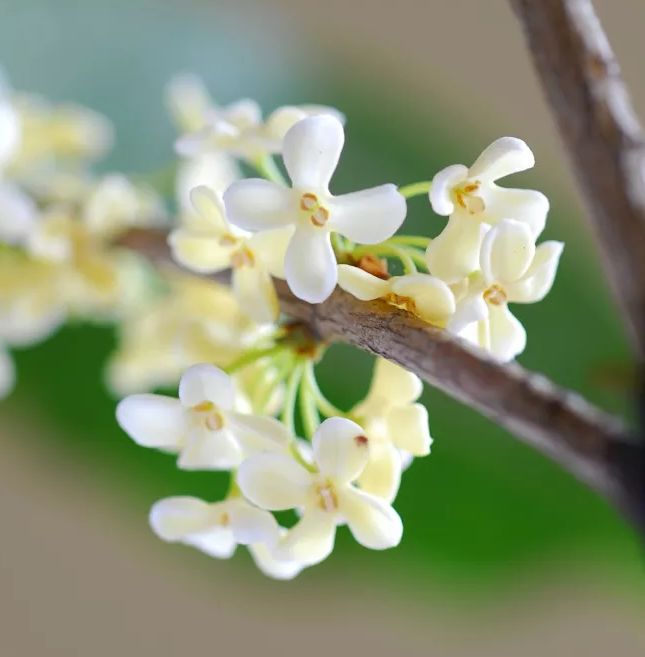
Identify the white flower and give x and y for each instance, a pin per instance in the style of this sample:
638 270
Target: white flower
471 198
207 243
201 425
268 559
427 297
311 152
326 497
18 215
513 270
395 425
7 372
10 129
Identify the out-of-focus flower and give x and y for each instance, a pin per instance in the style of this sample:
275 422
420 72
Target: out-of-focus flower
10 130
326 497
395 424
425 296
18 215
513 270
471 198
207 243
312 149
201 425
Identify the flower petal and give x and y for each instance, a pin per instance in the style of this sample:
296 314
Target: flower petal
311 151
373 522
253 288
470 309
538 279
257 433
153 420
18 213
369 216
340 449
270 246
310 264
199 252
525 205
382 474
442 185
361 284
210 207
433 299
256 204
454 253
205 382
507 335
250 524
408 428
217 542
274 481
503 157
210 450
174 518
267 560
507 251
311 540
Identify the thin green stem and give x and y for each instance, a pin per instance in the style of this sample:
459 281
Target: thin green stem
308 408
252 356
415 189
291 393
268 169
324 405
267 389
390 250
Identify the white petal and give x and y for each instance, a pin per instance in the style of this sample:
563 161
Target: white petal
311 151
274 481
173 518
7 373
270 564
408 429
250 524
340 449
507 335
369 216
504 156
525 205
257 433
153 420
382 474
18 214
243 114
205 382
270 246
373 522
361 284
433 299
507 251
310 264
199 252
217 542
454 253
210 207
538 280
256 204
470 309
254 290
442 185
210 450
311 540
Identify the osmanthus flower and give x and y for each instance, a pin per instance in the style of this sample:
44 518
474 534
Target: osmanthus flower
218 528
311 151
18 214
207 243
513 270
202 425
10 129
395 424
471 197
425 296
325 497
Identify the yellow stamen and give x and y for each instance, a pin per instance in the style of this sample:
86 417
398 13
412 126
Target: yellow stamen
495 295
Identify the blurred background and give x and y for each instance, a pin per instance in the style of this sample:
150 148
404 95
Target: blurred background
503 553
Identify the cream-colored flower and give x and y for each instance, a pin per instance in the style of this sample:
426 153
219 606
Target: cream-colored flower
395 424
10 128
18 215
202 425
326 497
513 270
471 197
425 296
207 243
311 152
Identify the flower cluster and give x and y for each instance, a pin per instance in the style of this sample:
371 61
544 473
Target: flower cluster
248 399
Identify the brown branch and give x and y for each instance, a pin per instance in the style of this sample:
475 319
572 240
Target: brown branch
587 442
602 135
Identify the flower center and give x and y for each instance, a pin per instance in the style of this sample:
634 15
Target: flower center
243 257
228 240
316 213
405 303
467 199
495 295
209 415
224 520
326 497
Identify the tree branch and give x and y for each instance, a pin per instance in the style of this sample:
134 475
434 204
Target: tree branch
592 445
602 135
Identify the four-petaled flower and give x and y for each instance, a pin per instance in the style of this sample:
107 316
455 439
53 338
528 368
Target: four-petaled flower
325 497
311 152
471 198
202 425
513 270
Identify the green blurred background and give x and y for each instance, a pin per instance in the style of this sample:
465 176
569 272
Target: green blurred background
503 552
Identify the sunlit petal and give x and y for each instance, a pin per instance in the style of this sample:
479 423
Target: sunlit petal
256 204
153 420
507 251
340 449
361 284
205 382
503 157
